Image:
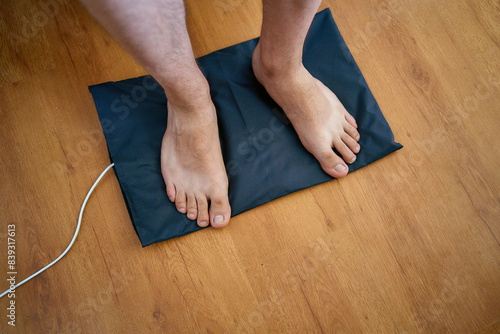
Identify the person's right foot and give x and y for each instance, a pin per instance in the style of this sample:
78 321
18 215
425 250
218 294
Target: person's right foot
192 164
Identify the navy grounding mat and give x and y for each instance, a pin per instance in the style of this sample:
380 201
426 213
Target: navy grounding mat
263 155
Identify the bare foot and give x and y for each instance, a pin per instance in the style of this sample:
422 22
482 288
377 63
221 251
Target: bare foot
192 165
317 115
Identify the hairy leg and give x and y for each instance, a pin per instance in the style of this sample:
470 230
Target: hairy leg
317 115
155 34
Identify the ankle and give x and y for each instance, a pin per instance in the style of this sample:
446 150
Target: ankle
273 66
190 92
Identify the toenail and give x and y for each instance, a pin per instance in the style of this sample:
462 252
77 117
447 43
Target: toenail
191 215
203 224
353 159
339 168
218 219
182 210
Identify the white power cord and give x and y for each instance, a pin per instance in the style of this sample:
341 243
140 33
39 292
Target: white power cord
74 236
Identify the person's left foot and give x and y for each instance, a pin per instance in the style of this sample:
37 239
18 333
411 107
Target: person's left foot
317 115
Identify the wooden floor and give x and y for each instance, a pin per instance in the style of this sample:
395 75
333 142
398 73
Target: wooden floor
408 244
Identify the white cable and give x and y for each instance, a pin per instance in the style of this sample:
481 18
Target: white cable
74 236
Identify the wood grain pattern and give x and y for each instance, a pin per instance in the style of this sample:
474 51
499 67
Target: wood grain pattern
409 244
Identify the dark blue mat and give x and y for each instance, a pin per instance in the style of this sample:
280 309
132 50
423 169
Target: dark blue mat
263 155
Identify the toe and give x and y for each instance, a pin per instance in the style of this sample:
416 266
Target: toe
351 131
331 163
203 217
345 151
220 211
350 119
180 201
192 209
351 143
171 192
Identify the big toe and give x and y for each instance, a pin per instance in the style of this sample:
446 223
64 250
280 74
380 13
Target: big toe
331 163
220 211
